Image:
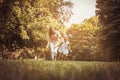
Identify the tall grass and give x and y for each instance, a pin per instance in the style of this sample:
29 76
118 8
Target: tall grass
58 70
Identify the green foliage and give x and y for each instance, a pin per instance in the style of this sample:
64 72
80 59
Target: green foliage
83 42
109 38
26 22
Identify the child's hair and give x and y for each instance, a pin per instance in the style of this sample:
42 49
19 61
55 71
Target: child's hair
65 37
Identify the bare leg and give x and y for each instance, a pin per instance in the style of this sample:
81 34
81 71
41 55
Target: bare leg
52 56
55 56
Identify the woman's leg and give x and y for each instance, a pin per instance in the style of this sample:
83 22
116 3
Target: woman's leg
54 50
52 55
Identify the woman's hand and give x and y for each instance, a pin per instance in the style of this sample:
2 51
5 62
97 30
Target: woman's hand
47 46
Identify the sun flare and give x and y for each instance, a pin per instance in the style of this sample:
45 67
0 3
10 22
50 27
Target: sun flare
81 10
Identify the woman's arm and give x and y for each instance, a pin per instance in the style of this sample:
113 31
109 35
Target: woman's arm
48 43
60 37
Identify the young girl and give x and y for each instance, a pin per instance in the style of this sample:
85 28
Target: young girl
54 41
65 47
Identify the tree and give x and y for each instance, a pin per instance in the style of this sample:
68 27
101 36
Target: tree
83 42
109 38
25 23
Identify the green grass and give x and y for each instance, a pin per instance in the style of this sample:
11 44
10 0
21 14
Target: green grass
58 70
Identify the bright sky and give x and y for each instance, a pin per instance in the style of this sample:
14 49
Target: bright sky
82 9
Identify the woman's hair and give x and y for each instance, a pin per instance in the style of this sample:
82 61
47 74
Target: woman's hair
51 31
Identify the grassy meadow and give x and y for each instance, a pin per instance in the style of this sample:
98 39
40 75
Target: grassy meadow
58 70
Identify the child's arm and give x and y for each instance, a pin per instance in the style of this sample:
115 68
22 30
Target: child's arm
69 48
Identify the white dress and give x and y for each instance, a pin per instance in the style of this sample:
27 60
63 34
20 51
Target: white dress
54 47
64 48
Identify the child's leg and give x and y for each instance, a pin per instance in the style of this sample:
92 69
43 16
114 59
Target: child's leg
66 57
55 56
60 56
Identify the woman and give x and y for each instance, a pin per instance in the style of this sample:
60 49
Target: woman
54 41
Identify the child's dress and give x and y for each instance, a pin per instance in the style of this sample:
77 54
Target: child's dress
64 48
